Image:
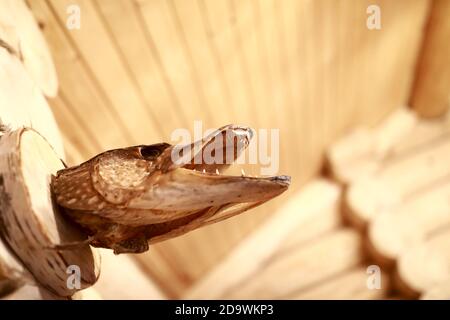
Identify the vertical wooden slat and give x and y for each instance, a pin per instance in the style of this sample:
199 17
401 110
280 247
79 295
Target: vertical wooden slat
76 83
112 79
222 34
162 29
121 18
187 24
77 133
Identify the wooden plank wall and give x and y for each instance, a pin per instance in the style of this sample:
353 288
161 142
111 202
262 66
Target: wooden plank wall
137 70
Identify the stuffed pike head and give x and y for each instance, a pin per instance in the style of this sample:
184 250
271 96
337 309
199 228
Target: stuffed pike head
126 198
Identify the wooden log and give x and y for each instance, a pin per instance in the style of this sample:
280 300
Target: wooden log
298 214
12 272
426 265
364 151
31 224
351 284
397 182
392 233
359 153
431 91
440 291
324 221
21 34
32 292
22 103
303 268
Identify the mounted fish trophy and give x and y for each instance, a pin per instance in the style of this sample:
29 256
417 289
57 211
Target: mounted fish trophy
121 199
126 198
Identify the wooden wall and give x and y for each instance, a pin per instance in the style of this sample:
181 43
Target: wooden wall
137 70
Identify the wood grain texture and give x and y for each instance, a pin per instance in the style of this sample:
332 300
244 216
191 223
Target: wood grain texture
136 70
431 92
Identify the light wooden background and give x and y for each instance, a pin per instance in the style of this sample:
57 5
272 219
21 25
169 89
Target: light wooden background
137 70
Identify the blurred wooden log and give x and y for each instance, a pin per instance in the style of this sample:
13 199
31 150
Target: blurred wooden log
363 151
323 221
19 30
32 292
12 272
425 131
358 153
426 265
431 91
298 214
440 291
303 267
392 233
384 166
31 224
121 278
397 181
351 284
22 103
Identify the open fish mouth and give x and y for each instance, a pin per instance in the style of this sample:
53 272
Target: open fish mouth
127 198
195 175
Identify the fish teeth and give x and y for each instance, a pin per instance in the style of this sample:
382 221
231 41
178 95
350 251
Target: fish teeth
204 171
217 171
243 172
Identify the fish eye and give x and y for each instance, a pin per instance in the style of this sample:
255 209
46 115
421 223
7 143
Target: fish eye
153 151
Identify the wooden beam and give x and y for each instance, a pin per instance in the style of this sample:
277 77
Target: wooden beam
431 92
351 284
23 104
391 233
302 268
397 181
20 31
32 226
12 271
425 265
440 291
359 153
